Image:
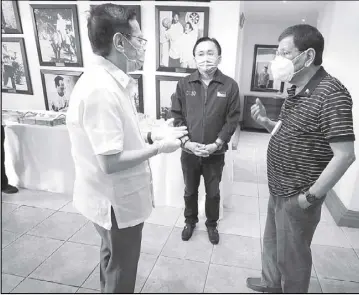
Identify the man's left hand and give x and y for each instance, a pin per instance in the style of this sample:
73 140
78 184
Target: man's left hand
302 202
167 130
211 148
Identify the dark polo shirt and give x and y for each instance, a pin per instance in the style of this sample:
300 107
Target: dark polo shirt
208 112
317 116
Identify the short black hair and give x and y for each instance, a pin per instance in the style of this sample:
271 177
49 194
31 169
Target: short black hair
304 37
57 80
104 22
174 12
188 23
204 39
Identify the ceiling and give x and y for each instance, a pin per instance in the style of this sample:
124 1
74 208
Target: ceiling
274 11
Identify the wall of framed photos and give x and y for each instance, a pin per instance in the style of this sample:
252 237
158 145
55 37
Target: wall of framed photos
223 24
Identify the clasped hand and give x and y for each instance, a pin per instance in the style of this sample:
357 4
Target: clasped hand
201 150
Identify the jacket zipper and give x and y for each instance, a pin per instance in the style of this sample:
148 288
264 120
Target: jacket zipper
204 109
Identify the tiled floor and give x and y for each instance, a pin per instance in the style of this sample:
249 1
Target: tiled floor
47 247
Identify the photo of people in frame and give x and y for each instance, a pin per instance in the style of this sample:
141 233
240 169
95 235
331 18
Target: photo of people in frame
10 18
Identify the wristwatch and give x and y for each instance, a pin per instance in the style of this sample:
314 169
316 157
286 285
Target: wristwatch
219 146
311 198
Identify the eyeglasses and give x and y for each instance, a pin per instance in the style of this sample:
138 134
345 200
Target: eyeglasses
142 41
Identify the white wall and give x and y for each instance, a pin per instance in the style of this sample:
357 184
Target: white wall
258 33
339 24
223 25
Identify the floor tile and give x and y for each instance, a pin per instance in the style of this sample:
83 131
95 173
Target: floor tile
172 275
164 216
245 163
241 204
69 208
9 282
314 286
27 253
69 265
93 281
7 238
229 279
263 205
24 218
40 199
87 235
334 286
7 208
244 174
263 190
61 226
198 248
199 226
83 290
329 235
248 189
353 236
240 224
36 286
335 263
326 216
154 238
238 251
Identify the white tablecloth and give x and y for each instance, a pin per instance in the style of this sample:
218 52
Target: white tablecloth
39 158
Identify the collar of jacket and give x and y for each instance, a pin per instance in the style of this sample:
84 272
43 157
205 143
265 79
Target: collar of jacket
218 77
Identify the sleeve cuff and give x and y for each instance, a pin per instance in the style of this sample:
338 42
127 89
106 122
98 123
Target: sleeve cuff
342 138
109 150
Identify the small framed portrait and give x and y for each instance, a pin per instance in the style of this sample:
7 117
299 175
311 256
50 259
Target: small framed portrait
177 30
165 88
14 67
262 78
57 87
10 18
57 35
137 93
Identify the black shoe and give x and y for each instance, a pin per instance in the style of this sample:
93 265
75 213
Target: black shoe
9 189
187 231
256 285
213 235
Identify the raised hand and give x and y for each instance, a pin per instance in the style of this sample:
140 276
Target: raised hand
166 130
258 112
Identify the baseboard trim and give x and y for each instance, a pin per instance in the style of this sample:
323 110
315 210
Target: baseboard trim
341 215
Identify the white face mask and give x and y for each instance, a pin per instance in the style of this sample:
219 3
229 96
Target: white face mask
283 68
135 63
207 66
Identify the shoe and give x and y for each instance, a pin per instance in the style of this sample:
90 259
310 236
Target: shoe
9 189
256 285
187 231
213 235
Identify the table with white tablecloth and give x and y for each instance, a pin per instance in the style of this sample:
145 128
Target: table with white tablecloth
39 158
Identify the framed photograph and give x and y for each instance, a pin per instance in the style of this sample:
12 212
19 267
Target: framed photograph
137 93
177 30
57 35
57 87
10 18
14 66
165 87
262 78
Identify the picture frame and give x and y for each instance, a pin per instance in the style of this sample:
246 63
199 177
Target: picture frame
57 34
15 67
177 30
262 78
137 95
10 18
165 87
57 86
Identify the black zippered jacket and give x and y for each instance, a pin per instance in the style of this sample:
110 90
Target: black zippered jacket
208 113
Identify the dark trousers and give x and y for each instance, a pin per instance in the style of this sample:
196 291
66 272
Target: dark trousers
4 180
287 258
119 255
9 74
211 168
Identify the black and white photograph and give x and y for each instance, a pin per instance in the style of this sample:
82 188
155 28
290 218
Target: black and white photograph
14 67
57 87
177 30
165 88
262 78
10 18
57 35
137 93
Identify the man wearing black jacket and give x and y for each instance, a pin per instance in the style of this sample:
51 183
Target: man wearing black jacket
207 102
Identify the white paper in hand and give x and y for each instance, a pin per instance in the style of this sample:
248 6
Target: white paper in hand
276 127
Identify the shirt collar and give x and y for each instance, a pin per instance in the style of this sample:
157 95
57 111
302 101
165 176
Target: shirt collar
120 76
218 76
313 82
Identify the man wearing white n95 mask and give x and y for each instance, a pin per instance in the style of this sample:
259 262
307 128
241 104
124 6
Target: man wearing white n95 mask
311 147
113 185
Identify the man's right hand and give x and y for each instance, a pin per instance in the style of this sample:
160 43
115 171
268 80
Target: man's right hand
167 130
197 148
258 112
